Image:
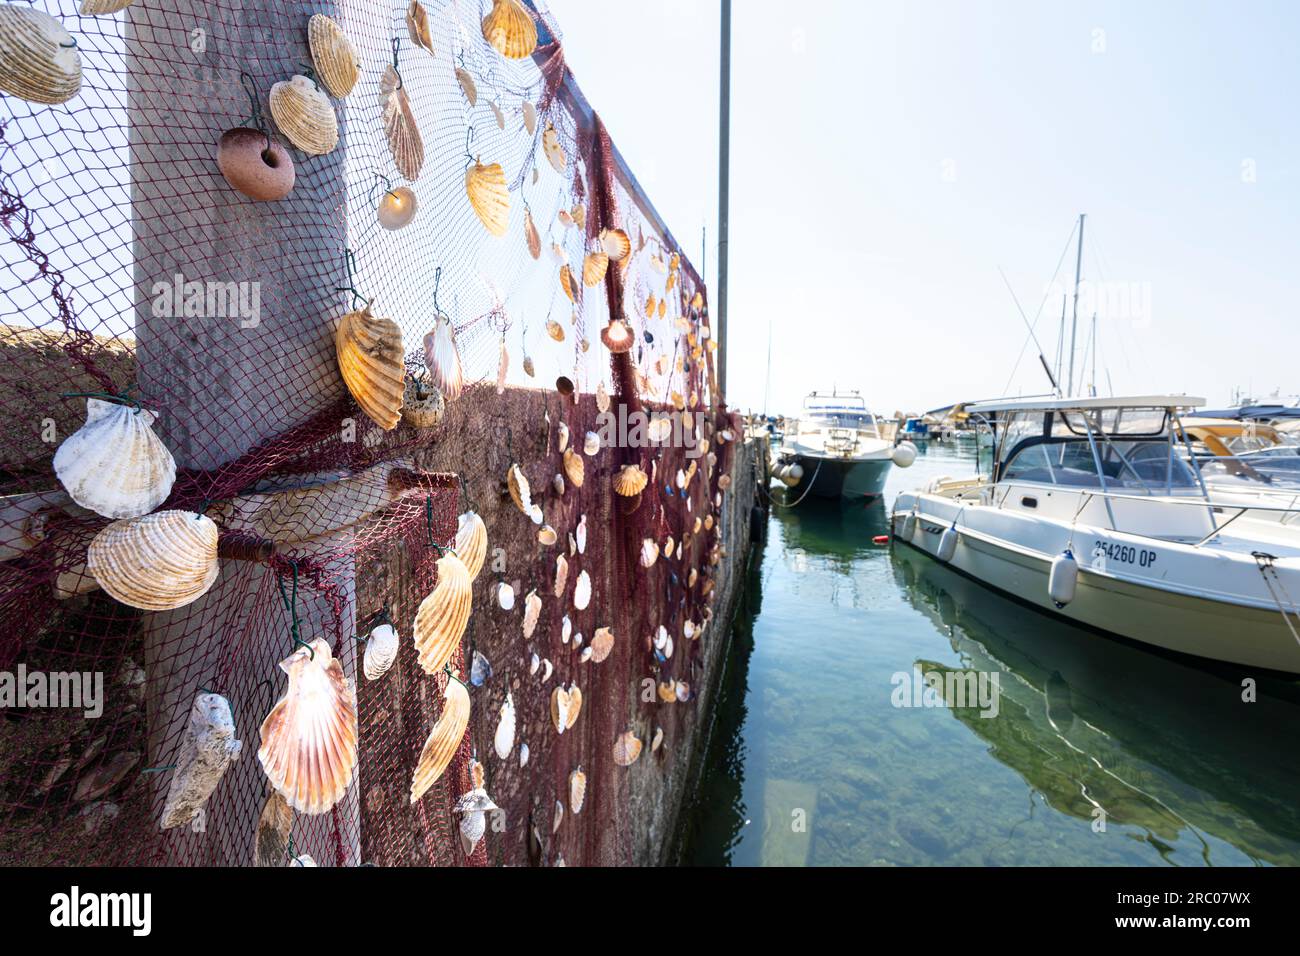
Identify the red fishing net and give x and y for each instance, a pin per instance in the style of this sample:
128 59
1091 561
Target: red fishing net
134 272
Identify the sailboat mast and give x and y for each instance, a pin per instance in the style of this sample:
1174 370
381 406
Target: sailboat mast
1074 316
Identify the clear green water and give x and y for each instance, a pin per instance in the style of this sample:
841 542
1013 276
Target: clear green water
810 763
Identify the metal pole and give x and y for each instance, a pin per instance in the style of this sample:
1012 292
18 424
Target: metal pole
1074 315
724 188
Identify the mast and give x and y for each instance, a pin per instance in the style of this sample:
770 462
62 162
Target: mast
724 188
1074 312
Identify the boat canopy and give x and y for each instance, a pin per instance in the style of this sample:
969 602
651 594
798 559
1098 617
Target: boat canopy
1083 402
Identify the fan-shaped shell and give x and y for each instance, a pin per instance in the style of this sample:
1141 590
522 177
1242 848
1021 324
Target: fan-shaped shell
381 651
594 267
552 148
574 469
305 115
114 464
440 621
582 591
334 54
467 85
422 403
649 552
531 236
577 790
489 196
95 8
471 542
630 480
561 575
156 562
417 25
509 27
504 739
627 748
616 244
369 353
309 739
532 611
520 492
602 643
39 61
442 356
400 126
444 739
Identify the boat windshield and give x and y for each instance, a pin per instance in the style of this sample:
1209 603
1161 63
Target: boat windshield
1129 466
840 418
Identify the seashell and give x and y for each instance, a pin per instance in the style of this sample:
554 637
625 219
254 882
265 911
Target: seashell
400 126
591 444
442 615
602 643
504 739
557 817
207 749
114 464
688 628
532 611
585 655
663 308
667 691
471 542
594 267
422 402
444 739
552 148
255 165
577 639
509 27
381 651
530 117
156 562
630 480
547 669
467 85
602 398
531 237
708 522
309 739
657 264
480 669
95 8
582 591
523 755
505 596
724 482
575 705
574 468
522 494
562 436
561 575
528 365
334 55
566 629
690 578
650 306
39 61
489 196
659 428
496 112
546 536
671 283
557 482
616 244
534 664
535 514
683 691
657 740
669 545
627 748
305 115
566 283
577 790
397 208
301 860
273 828
417 25
581 537
565 217
649 552
369 351
661 638
555 330
560 709
442 356
473 824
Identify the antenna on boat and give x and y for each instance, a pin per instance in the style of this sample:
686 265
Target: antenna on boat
1074 316
1024 318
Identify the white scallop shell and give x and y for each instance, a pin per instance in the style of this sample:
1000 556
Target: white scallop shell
381 651
504 739
442 356
114 464
661 637
582 591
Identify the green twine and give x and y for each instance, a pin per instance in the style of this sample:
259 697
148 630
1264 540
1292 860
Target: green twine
291 605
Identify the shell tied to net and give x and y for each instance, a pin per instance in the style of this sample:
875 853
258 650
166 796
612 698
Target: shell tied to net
334 55
400 127
471 542
509 27
156 562
114 464
369 351
39 61
207 749
305 115
441 619
444 739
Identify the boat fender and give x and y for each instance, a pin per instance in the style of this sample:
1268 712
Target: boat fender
795 471
1063 578
909 525
904 454
948 543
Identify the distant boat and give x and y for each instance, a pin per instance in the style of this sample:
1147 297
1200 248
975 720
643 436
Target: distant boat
838 449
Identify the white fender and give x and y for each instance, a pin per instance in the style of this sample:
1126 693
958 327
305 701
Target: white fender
1063 579
909 525
904 454
947 543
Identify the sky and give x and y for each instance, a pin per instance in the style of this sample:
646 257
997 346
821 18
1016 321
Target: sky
891 160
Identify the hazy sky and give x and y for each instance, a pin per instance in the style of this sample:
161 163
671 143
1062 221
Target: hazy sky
888 156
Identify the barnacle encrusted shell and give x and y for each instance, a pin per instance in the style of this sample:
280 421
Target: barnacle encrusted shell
440 621
444 739
552 148
39 61
273 828
305 115
594 267
627 748
630 480
422 403
504 738
509 27
602 643
206 750
369 353
582 591
471 542
532 611
381 651
334 54
309 739
574 469
114 464
489 196
577 790
156 562
400 126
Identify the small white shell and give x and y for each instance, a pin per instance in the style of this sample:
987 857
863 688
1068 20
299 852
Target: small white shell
582 591
504 739
532 611
547 669
381 651
585 655
505 596
534 664
114 464
523 755
591 444
562 436
581 535
530 117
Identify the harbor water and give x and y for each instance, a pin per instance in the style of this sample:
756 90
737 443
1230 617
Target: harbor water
1086 750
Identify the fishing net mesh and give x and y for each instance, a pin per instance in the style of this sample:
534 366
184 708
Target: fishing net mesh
118 229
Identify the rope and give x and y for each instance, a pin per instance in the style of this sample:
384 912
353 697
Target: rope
812 481
1268 571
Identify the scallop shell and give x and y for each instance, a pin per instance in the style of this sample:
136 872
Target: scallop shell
522 494
489 196
39 61
471 542
627 748
381 651
305 115
444 739
114 464
467 85
574 469
309 739
594 267
156 562
577 790
630 480
442 616
530 117
649 552
582 591
659 429
531 237
616 244
422 403
552 148
560 709
509 27
95 8
602 643
547 536
442 356
581 535
334 55
417 25
369 351
566 283
504 739
400 127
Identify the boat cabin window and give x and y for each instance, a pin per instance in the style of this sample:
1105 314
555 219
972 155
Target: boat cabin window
1129 466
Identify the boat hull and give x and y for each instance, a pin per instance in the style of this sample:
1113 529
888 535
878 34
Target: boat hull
842 478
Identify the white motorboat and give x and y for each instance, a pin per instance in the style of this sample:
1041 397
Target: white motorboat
839 449
1094 513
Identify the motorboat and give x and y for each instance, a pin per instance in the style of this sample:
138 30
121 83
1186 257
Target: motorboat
1094 513
838 449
